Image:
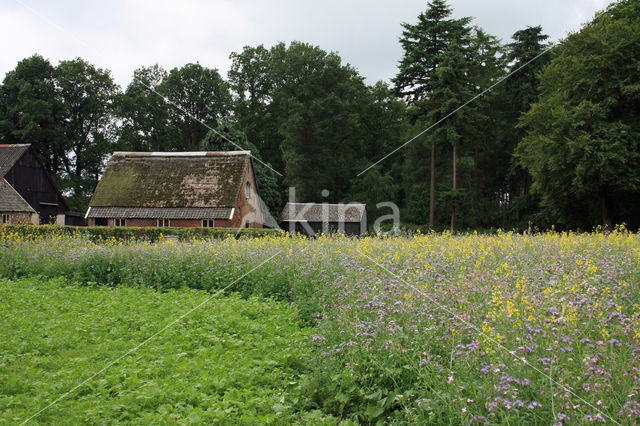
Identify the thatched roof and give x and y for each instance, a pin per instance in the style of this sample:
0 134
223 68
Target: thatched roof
322 212
11 201
170 184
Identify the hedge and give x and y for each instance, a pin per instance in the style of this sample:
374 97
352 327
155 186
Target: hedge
125 233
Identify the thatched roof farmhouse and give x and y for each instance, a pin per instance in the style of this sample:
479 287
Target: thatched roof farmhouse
185 189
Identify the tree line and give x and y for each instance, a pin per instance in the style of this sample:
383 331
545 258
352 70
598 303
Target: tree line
550 137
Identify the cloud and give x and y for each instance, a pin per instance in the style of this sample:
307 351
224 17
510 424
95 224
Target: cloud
124 35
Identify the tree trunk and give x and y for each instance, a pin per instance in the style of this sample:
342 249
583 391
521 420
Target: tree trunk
607 222
432 185
476 175
455 185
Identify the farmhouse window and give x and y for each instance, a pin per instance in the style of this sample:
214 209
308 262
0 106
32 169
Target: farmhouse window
163 223
207 223
101 221
6 218
248 191
120 222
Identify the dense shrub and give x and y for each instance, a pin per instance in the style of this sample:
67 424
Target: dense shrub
168 264
122 233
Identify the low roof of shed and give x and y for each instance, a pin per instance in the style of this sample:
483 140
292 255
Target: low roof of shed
323 212
11 201
9 155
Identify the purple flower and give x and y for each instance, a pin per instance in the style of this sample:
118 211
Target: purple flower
630 409
479 419
545 361
318 338
533 405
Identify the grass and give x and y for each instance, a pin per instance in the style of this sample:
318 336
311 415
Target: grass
233 360
503 328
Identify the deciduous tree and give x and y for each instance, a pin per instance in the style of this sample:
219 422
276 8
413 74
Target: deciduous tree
31 111
144 112
87 95
199 97
583 135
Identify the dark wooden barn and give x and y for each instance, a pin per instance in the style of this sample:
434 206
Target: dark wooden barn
178 189
322 218
25 173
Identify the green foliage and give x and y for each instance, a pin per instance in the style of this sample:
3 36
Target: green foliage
255 76
145 112
424 45
385 122
582 146
513 98
31 111
319 123
313 117
87 95
167 263
374 188
528 44
199 98
170 111
446 63
231 360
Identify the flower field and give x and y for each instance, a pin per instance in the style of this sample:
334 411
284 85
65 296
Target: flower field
434 328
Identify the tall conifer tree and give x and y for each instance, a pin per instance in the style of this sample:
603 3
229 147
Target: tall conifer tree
425 45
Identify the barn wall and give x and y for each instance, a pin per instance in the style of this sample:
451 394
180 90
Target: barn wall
246 210
22 218
353 228
186 223
74 220
234 223
179 223
137 222
31 181
350 228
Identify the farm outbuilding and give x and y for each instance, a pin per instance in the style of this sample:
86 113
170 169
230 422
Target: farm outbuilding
13 208
323 218
23 171
178 189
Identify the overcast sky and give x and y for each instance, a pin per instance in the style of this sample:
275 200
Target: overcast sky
122 35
